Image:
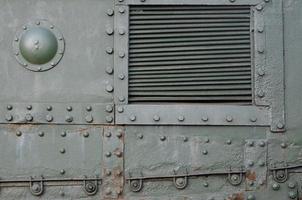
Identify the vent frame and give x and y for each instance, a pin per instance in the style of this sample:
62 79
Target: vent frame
268 91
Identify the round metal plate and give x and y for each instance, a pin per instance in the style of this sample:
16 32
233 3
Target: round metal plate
46 54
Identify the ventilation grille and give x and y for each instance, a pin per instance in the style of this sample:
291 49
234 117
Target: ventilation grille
190 54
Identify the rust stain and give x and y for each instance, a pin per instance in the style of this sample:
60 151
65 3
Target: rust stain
15 127
251 175
237 196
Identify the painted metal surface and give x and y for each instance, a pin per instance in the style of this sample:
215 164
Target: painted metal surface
67 131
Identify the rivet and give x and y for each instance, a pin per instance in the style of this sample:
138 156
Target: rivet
229 142
62 150
143 1
62 171
108 154
109 119
207 140
49 118
122 31
52 64
28 117
38 23
250 197
9 107
51 26
204 118
120 109
119 134
63 134
260 94
262 144
259 7
121 98
204 152
156 118
232 1
206 184
8 117
292 195
16 39
120 0
109 70
121 10
41 133
109 88
260 29
109 108
68 118
108 134
29 107
132 117
163 138
24 27
250 163
121 76
110 12
229 118
276 186
89 118
291 185
267 1
109 31
121 54
109 50
185 139
88 108
260 72
69 108
118 154
253 119
261 163
108 172
283 145
17 53
49 108
250 143
140 136
181 118
280 125
86 134
18 133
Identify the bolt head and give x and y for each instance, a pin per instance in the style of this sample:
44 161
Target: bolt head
109 88
181 118
108 154
89 119
156 118
253 119
29 107
121 76
8 117
204 118
163 138
86 134
250 197
41 133
292 195
229 142
63 134
250 143
262 144
120 109
69 119
291 185
49 108
28 117
9 107
259 7
204 152
88 108
121 10
280 125
109 70
132 117
18 133
109 119
108 134
229 118
207 140
140 136
69 108
109 50
110 12
276 186
283 145
49 118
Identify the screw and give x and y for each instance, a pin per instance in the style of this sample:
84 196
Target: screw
69 108
132 117
276 186
16 39
143 1
120 109
49 118
18 133
163 138
156 118
88 108
51 27
109 70
63 134
41 133
86 134
181 118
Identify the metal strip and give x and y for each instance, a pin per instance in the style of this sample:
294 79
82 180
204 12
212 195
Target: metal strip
193 115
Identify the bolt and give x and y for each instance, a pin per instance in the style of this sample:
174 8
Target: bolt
132 117
41 133
205 118
9 107
109 70
229 142
260 50
24 27
109 50
51 26
229 118
18 133
204 152
49 118
109 88
261 182
29 107
63 134
251 183
62 193
250 197
16 39
262 144
253 119
291 185
8 117
86 134
283 145
181 118
69 108
108 154
28 117
109 119
69 119
143 1
62 150
156 118
179 181
232 1
267 1
110 12
49 108
121 54
108 134
121 10
163 138
109 31
292 195
24 64
121 76
89 119
121 98
120 109
259 7
88 108
280 125
276 186
52 64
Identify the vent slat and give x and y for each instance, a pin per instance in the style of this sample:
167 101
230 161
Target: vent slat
190 54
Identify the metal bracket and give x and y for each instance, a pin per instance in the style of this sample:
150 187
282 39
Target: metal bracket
90 187
36 187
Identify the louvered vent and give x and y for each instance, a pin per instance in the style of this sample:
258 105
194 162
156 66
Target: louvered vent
190 54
